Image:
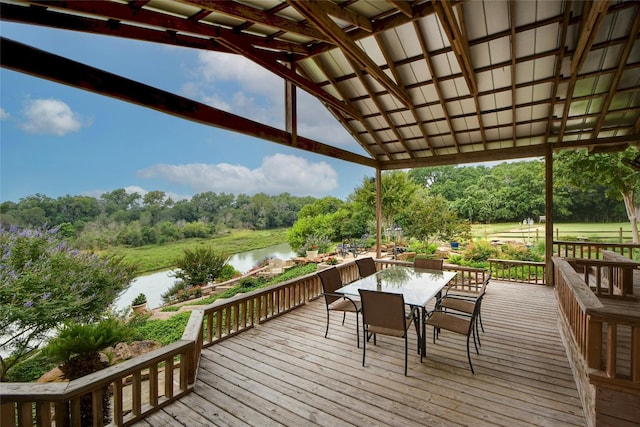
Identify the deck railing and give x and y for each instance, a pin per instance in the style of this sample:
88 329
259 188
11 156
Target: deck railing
593 250
611 276
517 271
604 343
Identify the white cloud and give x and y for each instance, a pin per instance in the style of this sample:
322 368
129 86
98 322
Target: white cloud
233 83
277 174
3 114
50 117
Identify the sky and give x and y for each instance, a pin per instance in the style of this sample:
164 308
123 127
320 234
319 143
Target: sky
56 140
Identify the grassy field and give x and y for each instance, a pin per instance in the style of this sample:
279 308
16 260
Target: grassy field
561 231
161 257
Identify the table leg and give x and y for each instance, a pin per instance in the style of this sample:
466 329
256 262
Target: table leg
423 340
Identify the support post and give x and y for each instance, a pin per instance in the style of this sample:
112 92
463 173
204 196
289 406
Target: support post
378 211
548 212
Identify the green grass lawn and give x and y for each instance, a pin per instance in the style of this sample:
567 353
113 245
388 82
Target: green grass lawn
561 231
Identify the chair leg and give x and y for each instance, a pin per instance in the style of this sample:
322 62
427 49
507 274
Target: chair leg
473 331
480 317
344 316
326 332
469 356
358 329
364 341
406 358
476 333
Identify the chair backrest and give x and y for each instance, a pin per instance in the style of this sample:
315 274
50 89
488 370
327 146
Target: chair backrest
426 263
483 289
331 280
366 266
383 309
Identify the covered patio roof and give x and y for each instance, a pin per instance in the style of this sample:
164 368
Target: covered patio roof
416 83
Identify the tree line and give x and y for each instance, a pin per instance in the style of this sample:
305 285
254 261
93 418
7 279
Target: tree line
122 218
508 192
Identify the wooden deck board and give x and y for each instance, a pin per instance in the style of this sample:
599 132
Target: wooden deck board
285 372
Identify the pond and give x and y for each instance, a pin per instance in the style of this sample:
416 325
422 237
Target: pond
155 284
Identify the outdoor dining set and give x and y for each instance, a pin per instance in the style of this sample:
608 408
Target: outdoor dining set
389 301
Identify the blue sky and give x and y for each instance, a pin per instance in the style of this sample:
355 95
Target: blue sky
57 140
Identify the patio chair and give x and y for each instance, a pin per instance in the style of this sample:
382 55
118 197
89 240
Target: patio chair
464 325
428 264
384 313
366 266
464 302
331 281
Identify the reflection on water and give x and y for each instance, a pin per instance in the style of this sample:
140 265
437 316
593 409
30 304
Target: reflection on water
154 285
395 276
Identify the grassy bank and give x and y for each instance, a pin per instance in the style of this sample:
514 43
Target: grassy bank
160 257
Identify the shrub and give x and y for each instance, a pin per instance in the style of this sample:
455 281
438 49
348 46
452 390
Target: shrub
519 253
163 331
44 283
139 300
77 345
200 265
480 251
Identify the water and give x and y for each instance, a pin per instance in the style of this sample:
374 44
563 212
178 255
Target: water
154 285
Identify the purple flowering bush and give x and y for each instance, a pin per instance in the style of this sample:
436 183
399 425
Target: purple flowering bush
45 283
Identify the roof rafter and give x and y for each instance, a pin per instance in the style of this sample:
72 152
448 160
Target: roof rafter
258 16
624 56
347 123
379 106
512 19
319 18
46 17
127 12
403 6
412 108
449 22
353 18
234 42
436 83
595 12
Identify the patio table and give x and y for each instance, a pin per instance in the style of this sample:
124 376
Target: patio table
418 286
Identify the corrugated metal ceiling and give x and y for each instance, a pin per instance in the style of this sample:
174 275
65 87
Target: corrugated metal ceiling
416 83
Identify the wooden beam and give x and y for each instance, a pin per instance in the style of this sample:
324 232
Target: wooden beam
147 17
403 6
239 43
25 59
37 15
319 18
346 123
459 44
333 9
613 89
380 107
557 75
512 23
436 84
291 108
412 108
259 16
595 12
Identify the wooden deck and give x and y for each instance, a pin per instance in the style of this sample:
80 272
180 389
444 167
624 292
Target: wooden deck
285 372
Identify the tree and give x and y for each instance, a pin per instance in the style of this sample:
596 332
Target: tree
582 169
199 266
44 282
431 219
